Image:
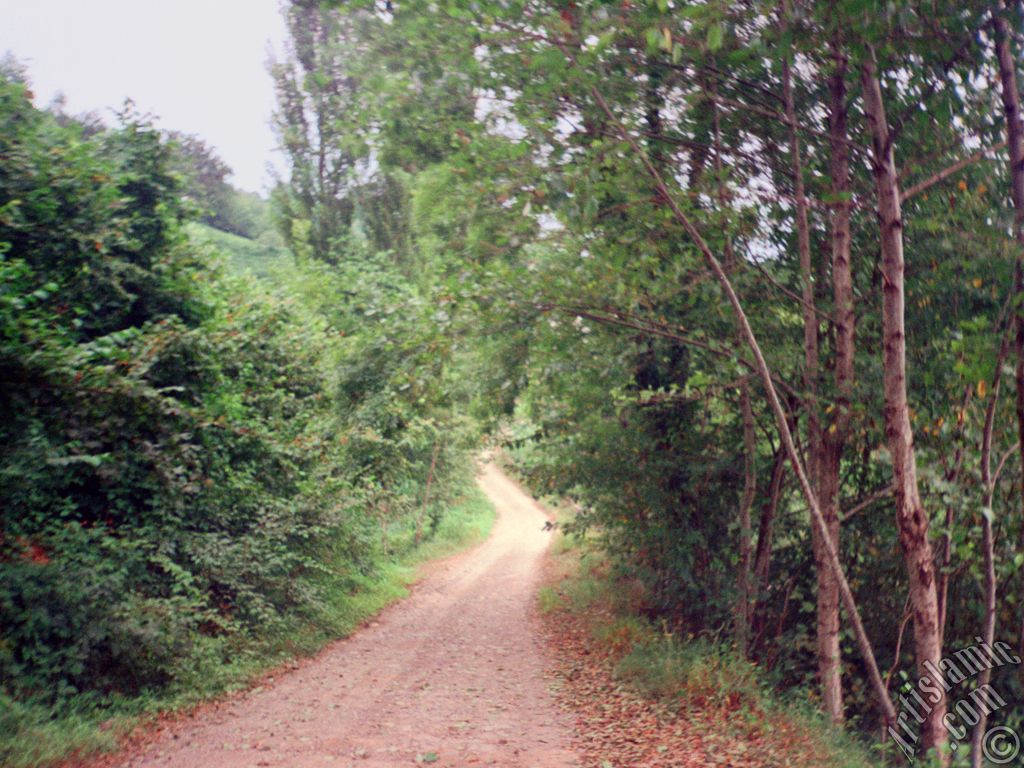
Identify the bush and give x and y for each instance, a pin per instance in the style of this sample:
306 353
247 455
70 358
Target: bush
164 472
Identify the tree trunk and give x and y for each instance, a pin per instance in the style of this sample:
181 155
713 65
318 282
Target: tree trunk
426 494
835 436
1015 146
775 404
743 602
829 658
952 475
911 518
762 557
1015 141
988 484
827 635
762 560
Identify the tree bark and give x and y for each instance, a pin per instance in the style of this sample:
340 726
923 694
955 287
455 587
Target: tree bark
952 475
743 602
911 518
762 557
426 493
988 484
827 623
835 436
1015 146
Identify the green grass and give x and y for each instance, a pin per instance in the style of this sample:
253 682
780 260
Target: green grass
662 665
31 736
694 676
35 736
261 258
548 600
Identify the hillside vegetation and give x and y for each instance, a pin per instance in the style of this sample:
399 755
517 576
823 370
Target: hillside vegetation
742 282
199 474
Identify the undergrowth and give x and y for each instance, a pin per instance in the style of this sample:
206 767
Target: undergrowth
724 697
35 735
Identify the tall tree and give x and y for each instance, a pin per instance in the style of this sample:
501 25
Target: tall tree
828 651
1010 94
911 517
316 96
835 436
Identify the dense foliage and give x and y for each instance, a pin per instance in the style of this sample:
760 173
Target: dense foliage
193 464
157 487
586 184
742 280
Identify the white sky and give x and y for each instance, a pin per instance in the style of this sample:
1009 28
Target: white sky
199 66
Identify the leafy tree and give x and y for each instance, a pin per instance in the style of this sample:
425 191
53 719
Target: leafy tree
662 163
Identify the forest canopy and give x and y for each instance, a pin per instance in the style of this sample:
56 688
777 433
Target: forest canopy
750 277
741 281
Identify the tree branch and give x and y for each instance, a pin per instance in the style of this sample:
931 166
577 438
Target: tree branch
945 173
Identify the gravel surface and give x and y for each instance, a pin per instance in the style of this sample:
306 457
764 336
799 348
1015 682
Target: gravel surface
454 675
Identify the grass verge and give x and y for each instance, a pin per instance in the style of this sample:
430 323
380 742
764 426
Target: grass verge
647 696
36 736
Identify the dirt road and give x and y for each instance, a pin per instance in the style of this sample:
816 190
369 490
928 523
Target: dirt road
452 676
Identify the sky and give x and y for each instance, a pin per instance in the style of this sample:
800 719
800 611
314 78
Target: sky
198 66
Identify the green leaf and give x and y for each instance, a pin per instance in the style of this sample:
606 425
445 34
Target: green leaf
653 35
715 37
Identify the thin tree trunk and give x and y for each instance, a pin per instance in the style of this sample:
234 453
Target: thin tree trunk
988 484
772 395
385 516
943 574
828 651
743 603
654 102
835 436
951 476
743 609
762 557
723 193
426 494
844 316
1015 140
911 518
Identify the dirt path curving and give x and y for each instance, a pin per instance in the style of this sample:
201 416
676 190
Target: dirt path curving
454 675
